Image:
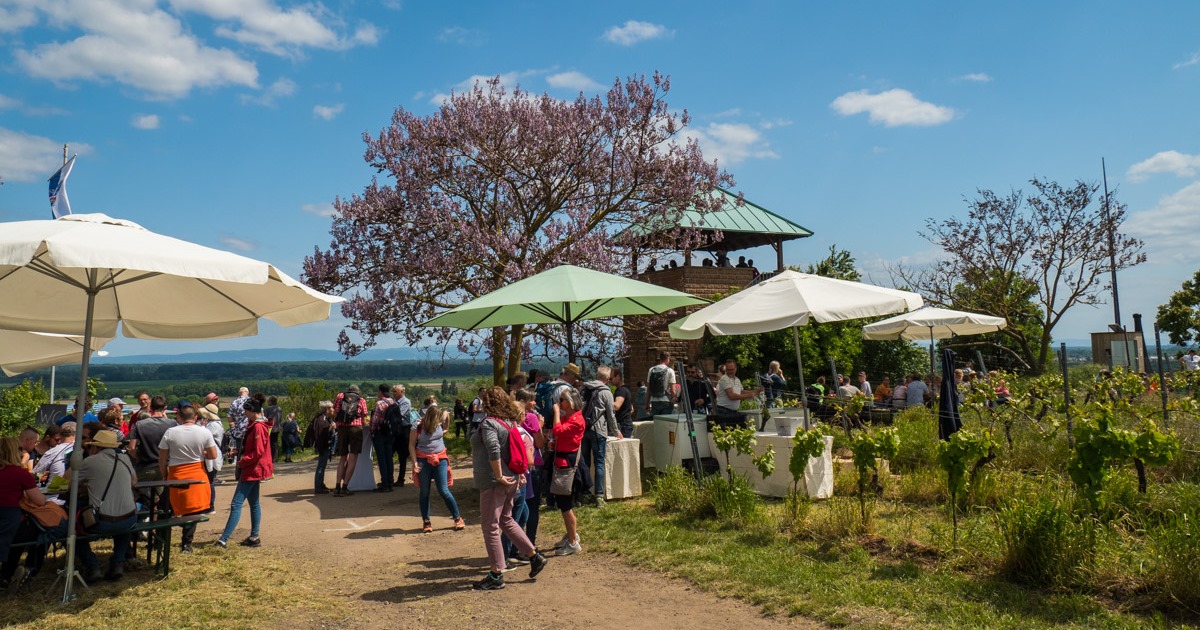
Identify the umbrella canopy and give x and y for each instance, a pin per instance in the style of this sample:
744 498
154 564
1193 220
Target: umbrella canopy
932 323
791 299
564 295
158 287
24 351
85 273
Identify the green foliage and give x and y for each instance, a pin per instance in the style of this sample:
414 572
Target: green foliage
962 452
805 446
765 462
733 501
1176 549
1099 444
303 399
19 405
1180 316
1044 542
731 438
674 491
868 448
918 434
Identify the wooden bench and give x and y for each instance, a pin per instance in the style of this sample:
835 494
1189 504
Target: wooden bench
162 543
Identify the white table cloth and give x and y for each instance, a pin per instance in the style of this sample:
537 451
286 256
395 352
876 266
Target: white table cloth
818 475
363 479
643 432
622 469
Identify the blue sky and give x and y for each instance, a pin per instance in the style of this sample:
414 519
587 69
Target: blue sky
235 123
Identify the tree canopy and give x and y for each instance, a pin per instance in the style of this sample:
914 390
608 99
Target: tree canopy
1180 316
496 186
1029 259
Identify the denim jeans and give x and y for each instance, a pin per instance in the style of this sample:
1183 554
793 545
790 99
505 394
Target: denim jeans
383 457
534 502
119 530
520 514
662 408
626 429
435 474
246 491
593 447
322 463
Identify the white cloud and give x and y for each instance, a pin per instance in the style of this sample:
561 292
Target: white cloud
15 17
1170 226
462 36
28 158
573 80
239 244
893 108
976 77
634 31
281 88
134 43
7 102
1190 61
730 143
1181 164
319 209
145 121
263 24
328 112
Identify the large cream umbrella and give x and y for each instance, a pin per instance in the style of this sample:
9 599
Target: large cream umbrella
791 299
82 274
930 323
22 351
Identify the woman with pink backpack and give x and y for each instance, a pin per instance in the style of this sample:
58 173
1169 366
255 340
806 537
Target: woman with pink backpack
499 463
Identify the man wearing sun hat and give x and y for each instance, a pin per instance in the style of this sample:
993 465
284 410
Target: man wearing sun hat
108 476
210 418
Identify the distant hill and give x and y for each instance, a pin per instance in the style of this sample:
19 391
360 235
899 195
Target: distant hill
266 355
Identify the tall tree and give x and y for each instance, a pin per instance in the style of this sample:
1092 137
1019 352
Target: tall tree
1050 248
497 186
1180 316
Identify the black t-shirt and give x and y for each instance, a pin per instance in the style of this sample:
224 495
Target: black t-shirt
624 411
149 433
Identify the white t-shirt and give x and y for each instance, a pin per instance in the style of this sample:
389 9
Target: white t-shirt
477 413
1191 362
728 382
186 444
668 386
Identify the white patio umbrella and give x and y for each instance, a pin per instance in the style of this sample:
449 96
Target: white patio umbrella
789 300
930 323
83 273
22 351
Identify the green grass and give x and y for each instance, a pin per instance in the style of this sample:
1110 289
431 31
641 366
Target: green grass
902 576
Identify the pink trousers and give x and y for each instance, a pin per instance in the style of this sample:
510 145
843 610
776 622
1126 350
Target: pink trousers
495 514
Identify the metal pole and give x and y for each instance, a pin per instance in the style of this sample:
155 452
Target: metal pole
570 336
52 370
932 365
1062 362
800 369
982 365
1162 381
691 425
71 574
1112 247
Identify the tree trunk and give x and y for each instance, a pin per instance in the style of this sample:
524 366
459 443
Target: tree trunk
515 340
499 357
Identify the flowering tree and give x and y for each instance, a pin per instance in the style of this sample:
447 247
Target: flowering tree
497 186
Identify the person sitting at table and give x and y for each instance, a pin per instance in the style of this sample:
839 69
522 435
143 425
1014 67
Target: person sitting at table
883 393
54 462
846 389
900 393
182 452
27 440
729 398
107 475
16 484
918 391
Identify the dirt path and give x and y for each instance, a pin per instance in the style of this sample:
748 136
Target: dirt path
369 551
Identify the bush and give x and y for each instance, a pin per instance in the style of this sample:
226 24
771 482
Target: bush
1045 543
733 500
1176 547
675 491
918 433
923 486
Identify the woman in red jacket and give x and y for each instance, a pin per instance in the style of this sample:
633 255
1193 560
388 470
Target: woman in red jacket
568 434
255 466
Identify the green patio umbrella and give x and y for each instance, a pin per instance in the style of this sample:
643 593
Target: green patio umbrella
564 295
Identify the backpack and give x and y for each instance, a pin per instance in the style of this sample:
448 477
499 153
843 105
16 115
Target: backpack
393 420
348 409
658 381
544 397
588 392
518 460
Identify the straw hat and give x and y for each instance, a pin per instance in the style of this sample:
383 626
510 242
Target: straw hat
104 439
210 412
573 369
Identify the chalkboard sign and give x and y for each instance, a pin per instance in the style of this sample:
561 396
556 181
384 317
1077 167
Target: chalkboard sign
49 414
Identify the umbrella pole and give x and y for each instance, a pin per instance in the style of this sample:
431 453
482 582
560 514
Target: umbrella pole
800 369
71 574
932 364
570 336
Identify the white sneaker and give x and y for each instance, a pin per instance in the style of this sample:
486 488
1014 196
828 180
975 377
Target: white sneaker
563 542
570 549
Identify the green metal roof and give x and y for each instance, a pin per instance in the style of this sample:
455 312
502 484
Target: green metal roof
741 226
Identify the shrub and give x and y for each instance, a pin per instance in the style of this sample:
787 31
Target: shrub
733 500
1044 542
675 491
1176 547
923 486
918 433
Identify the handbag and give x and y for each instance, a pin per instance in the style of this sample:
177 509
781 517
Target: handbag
562 480
48 516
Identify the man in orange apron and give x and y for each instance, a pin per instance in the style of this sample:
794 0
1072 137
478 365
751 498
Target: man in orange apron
182 452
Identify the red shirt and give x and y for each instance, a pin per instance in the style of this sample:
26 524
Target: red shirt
256 453
14 481
568 434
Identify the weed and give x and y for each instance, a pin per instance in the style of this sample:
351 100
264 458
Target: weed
1045 542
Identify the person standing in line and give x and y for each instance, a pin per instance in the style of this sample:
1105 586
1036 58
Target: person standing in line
533 478
381 439
567 428
349 410
237 423
623 403
274 415
290 437
460 417
210 418
321 430
477 413
497 489
401 421
256 466
183 450
600 414
431 464
661 389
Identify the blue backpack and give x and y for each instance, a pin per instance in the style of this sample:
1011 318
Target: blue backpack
543 397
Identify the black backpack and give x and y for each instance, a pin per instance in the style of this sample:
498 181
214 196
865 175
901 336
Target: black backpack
393 419
658 381
348 410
